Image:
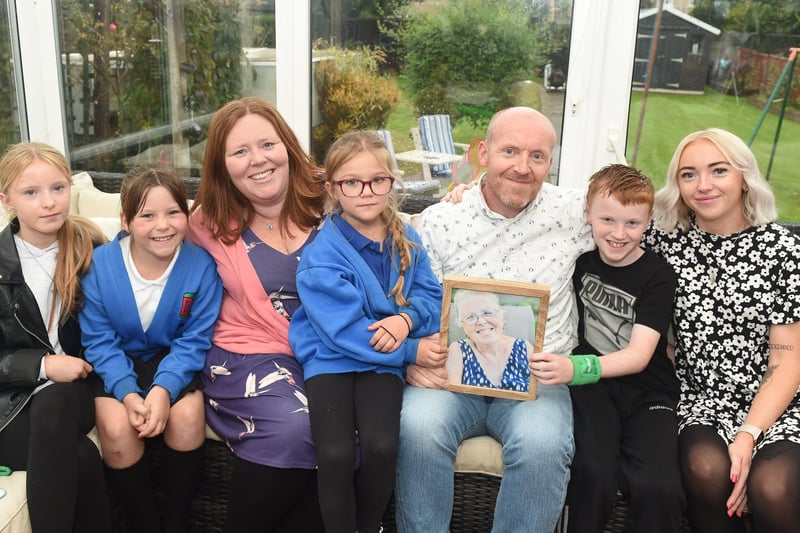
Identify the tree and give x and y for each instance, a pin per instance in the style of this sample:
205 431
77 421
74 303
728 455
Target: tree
764 16
710 12
353 95
117 67
468 42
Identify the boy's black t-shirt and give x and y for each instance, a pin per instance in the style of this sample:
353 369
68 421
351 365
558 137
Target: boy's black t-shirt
612 299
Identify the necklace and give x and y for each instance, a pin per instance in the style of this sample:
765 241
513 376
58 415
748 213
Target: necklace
33 256
714 270
267 224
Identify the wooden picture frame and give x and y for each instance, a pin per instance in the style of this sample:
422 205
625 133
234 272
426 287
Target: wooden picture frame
518 309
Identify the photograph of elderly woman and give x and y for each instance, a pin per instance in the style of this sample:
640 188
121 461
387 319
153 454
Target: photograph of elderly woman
491 328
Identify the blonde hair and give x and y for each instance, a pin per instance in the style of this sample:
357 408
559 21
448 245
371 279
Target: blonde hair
342 150
758 200
76 237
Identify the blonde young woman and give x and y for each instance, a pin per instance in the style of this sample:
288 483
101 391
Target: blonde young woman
45 401
737 335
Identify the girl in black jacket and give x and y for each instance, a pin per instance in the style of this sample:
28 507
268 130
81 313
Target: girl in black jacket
46 404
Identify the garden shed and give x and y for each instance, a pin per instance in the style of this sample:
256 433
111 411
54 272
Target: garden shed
682 60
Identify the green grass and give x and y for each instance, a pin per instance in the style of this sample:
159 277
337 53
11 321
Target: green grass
670 117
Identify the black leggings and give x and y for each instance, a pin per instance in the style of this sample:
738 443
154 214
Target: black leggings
773 486
625 438
65 485
339 405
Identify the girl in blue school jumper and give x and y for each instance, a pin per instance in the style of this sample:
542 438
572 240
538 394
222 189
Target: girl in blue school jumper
369 303
152 299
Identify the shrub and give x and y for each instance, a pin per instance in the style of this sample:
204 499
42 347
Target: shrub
468 41
353 95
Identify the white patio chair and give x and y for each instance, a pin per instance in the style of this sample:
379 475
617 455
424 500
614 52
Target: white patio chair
436 136
386 135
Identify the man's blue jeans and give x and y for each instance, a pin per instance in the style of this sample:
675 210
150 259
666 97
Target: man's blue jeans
537 450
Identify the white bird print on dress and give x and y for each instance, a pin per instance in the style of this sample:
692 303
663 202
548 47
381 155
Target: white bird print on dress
250 386
219 370
302 397
277 375
249 426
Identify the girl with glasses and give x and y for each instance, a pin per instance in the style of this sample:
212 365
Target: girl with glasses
370 305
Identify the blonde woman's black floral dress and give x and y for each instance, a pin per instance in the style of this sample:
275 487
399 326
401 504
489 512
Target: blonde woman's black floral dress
731 289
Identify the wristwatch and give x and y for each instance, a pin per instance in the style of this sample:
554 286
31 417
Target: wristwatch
753 431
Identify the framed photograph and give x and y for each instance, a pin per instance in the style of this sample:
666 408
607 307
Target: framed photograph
490 327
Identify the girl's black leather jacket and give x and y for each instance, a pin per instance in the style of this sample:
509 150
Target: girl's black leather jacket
23 334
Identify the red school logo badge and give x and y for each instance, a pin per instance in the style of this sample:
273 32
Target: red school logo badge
186 304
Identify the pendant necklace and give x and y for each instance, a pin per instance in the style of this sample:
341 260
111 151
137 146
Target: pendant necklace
32 255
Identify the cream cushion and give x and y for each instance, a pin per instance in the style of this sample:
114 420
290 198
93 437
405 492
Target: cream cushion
14 505
480 455
80 182
96 203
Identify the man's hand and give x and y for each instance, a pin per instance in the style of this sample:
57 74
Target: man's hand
429 378
430 354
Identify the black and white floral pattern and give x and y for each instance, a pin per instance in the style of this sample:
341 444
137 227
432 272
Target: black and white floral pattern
730 290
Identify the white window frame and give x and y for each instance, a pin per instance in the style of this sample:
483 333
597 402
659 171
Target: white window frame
597 101
597 97
43 109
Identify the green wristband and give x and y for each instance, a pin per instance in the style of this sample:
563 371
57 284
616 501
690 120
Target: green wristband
586 369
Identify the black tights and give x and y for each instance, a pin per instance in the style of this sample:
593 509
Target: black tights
65 485
773 485
355 499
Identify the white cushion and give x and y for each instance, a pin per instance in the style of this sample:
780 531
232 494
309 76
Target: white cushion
14 516
480 455
109 225
96 203
80 182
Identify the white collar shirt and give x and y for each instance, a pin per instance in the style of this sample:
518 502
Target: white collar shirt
539 245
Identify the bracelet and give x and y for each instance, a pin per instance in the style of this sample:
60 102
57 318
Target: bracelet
586 369
407 320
